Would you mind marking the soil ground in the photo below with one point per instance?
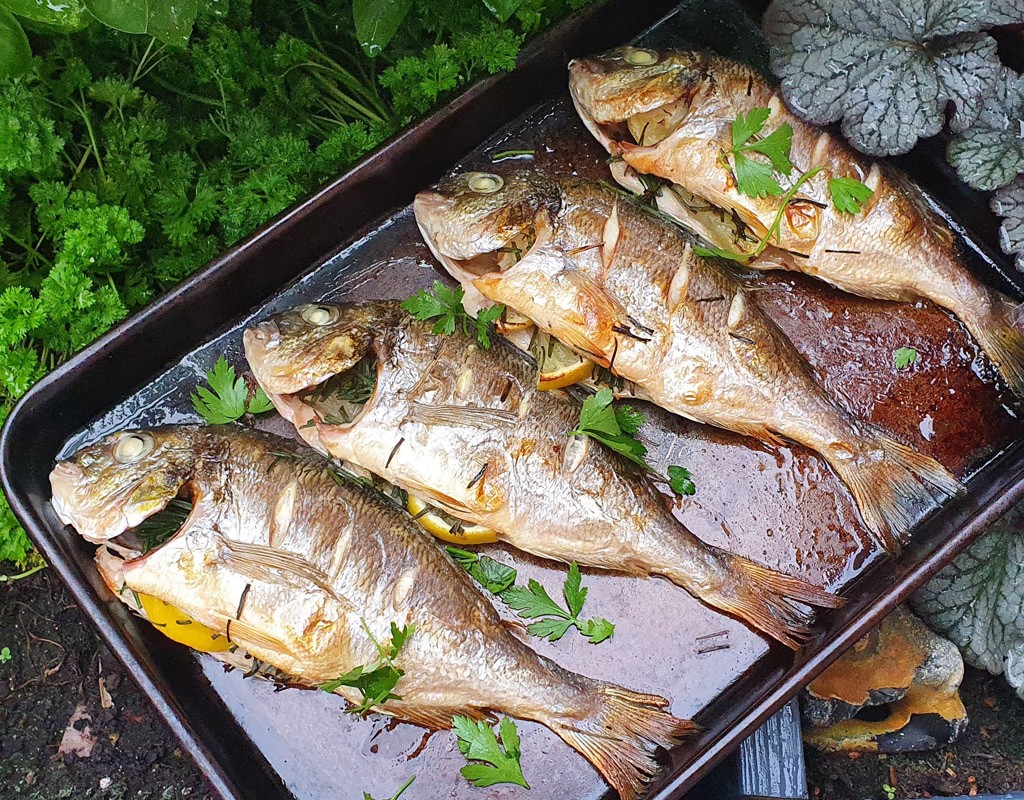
(56, 663)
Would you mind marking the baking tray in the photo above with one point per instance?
(355, 239)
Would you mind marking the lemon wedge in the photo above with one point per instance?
(177, 625)
(559, 366)
(446, 528)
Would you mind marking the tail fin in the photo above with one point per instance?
(620, 735)
(1002, 342)
(772, 602)
(891, 492)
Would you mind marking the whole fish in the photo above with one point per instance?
(468, 429)
(624, 288)
(670, 114)
(308, 572)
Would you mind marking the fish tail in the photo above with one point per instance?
(774, 603)
(1002, 341)
(893, 486)
(620, 733)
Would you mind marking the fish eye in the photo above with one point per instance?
(641, 58)
(320, 315)
(132, 447)
(485, 182)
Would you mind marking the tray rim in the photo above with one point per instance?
(966, 520)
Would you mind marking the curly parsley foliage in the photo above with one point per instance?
(886, 70)
(128, 161)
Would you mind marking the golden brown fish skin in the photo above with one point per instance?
(896, 248)
(291, 563)
(620, 285)
(467, 429)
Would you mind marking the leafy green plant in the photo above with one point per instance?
(396, 795)
(903, 357)
(376, 681)
(1008, 203)
(5, 654)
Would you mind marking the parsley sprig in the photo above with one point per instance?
(227, 397)
(533, 602)
(904, 357)
(477, 742)
(444, 304)
(756, 176)
(494, 576)
(616, 427)
(376, 681)
(755, 161)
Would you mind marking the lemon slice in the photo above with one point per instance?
(559, 366)
(177, 625)
(446, 528)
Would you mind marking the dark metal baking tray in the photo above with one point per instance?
(355, 239)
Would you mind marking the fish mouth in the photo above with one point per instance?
(467, 263)
(74, 500)
(622, 126)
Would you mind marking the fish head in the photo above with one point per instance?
(635, 96)
(307, 346)
(107, 488)
(481, 222)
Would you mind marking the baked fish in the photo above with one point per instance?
(625, 289)
(670, 114)
(304, 570)
(467, 429)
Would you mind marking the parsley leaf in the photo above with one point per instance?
(227, 399)
(444, 304)
(376, 681)
(494, 576)
(477, 742)
(533, 602)
(904, 357)
(680, 480)
(848, 193)
(396, 795)
(614, 428)
(755, 177)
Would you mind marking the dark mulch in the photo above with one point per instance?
(56, 665)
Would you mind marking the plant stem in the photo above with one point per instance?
(25, 574)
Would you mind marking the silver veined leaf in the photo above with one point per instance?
(886, 68)
(377, 21)
(1008, 203)
(977, 600)
(15, 53)
(1004, 12)
(130, 16)
(66, 14)
(990, 153)
(171, 21)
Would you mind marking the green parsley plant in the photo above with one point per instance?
(444, 304)
(903, 357)
(375, 681)
(227, 398)
(534, 602)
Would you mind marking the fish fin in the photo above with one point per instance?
(893, 491)
(1002, 342)
(770, 601)
(474, 416)
(598, 300)
(433, 717)
(759, 431)
(620, 734)
(250, 637)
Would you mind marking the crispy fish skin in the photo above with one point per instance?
(468, 429)
(291, 563)
(671, 116)
(624, 288)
